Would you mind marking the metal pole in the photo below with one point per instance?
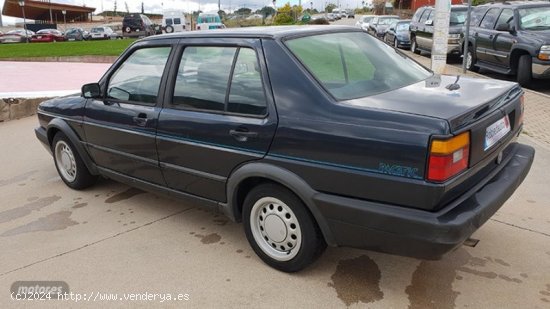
(25, 24)
(466, 37)
(50, 5)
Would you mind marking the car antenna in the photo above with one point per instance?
(455, 85)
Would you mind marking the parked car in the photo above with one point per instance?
(339, 13)
(173, 21)
(75, 34)
(209, 21)
(422, 29)
(16, 36)
(47, 35)
(104, 33)
(398, 34)
(275, 130)
(511, 38)
(331, 17)
(350, 13)
(379, 24)
(364, 21)
(137, 25)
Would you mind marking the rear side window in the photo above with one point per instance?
(168, 21)
(477, 15)
(490, 18)
(138, 78)
(426, 15)
(220, 79)
(354, 64)
(177, 21)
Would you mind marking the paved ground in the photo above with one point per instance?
(113, 239)
(47, 77)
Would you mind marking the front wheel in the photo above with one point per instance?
(69, 165)
(525, 73)
(395, 43)
(280, 228)
(414, 48)
(471, 60)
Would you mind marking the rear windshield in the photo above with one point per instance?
(97, 30)
(354, 64)
(403, 27)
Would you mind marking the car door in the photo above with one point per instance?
(424, 34)
(218, 114)
(503, 40)
(120, 128)
(484, 36)
(390, 33)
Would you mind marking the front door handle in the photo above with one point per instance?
(242, 134)
(141, 119)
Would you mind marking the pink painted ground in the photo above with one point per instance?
(48, 76)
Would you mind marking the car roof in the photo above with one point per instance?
(274, 32)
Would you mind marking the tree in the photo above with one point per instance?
(330, 7)
(378, 6)
(266, 11)
(243, 11)
(142, 8)
(126, 5)
(222, 14)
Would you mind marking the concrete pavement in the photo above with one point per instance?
(46, 79)
(111, 239)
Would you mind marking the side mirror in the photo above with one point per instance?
(503, 27)
(429, 22)
(91, 91)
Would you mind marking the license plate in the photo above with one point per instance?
(496, 132)
(39, 37)
(71, 39)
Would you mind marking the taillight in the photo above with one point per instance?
(448, 157)
(521, 109)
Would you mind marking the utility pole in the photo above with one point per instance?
(441, 35)
(1, 24)
(50, 5)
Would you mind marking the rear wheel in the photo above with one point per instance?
(414, 48)
(525, 74)
(169, 29)
(395, 43)
(280, 228)
(69, 165)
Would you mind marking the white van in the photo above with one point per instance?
(209, 21)
(173, 21)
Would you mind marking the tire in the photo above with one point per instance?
(69, 165)
(385, 39)
(169, 29)
(414, 48)
(524, 74)
(471, 60)
(395, 43)
(280, 228)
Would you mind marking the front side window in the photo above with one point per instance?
(490, 18)
(506, 17)
(354, 64)
(205, 81)
(138, 78)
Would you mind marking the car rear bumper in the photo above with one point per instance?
(418, 233)
(540, 68)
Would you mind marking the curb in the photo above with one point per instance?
(12, 108)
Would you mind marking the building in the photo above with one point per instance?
(46, 11)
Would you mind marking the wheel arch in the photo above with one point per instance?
(60, 125)
(250, 175)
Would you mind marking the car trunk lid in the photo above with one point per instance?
(482, 107)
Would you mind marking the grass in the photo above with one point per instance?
(65, 49)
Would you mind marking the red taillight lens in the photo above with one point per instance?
(448, 157)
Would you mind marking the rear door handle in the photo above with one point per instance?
(141, 119)
(242, 135)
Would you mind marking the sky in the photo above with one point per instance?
(157, 6)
